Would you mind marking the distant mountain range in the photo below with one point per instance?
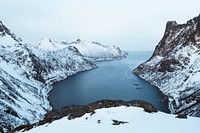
(91, 50)
(175, 67)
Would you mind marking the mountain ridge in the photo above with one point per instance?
(93, 51)
(26, 77)
(174, 66)
(27, 73)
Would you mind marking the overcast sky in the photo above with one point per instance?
(134, 25)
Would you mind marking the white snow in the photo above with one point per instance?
(138, 122)
(47, 44)
(92, 50)
(9, 68)
(20, 89)
(195, 77)
(7, 41)
(97, 51)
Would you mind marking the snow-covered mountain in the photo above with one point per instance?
(26, 76)
(121, 119)
(175, 67)
(91, 50)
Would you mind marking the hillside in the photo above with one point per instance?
(175, 67)
(121, 119)
(26, 76)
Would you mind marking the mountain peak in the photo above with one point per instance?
(47, 44)
(78, 41)
(46, 39)
(8, 38)
(171, 24)
(197, 19)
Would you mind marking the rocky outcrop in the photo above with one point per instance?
(175, 67)
(75, 111)
(4, 31)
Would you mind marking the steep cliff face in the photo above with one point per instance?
(175, 67)
(26, 75)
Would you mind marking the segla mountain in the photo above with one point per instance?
(26, 76)
(175, 67)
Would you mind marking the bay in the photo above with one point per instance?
(111, 80)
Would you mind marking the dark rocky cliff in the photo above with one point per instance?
(175, 66)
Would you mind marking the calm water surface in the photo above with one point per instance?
(112, 80)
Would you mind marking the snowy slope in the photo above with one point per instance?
(97, 51)
(137, 120)
(94, 51)
(47, 44)
(7, 37)
(175, 67)
(26, 76)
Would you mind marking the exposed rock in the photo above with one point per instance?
(181, 116)
(75, 111)
(117, 122)
(1, 130)
(99, 121)
(11, 112)
(175, 67)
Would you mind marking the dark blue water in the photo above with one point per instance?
(112, 80)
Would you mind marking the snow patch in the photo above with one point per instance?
(137, 120)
